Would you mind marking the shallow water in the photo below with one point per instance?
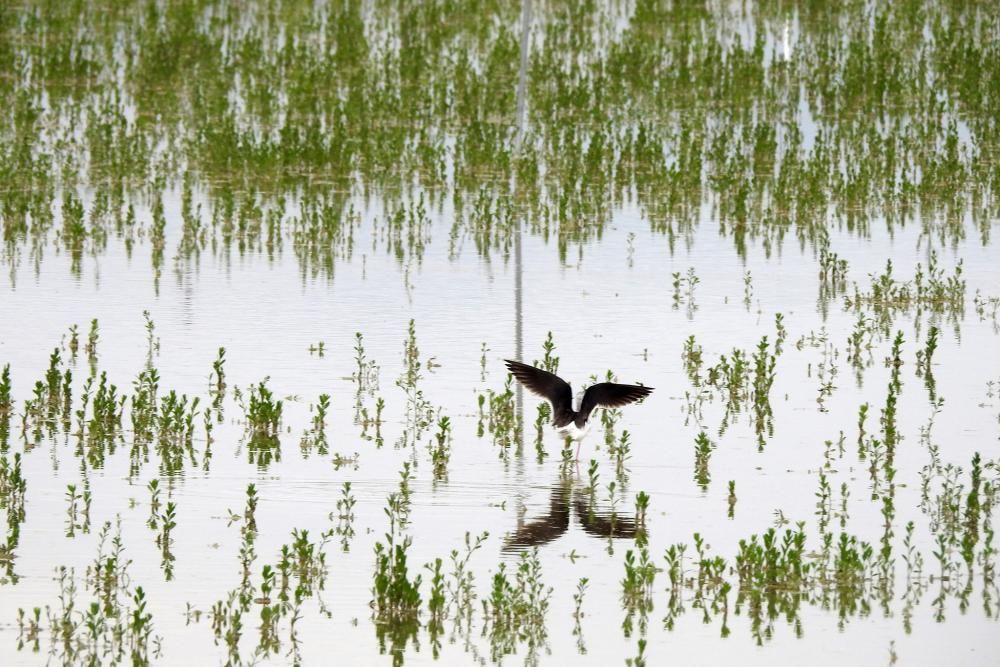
(601, 282)
(602, 313)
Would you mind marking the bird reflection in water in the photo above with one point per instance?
(565, 499)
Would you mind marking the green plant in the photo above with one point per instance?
(703, 448)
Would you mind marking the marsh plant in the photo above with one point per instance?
(371, 425)
(542, 421)
(934, 291)
(763, 379)
(174, 431)
(549, 361)
(78, 508)
(592, 478)
(164, 540)
(365, 373)
(345, 516)
(441, 448)
(298, 575)
(107, 622)
(515, 610)
(703, 448)
(217, 380)
(683, 291)
(747, 290)
(498, 416)
(621, 450)
(741, 378)
(641, 515)
(637, 589)
(436, 604)
(6, 407)
(925, 359)
(832, 274)
(396, 595)
(154, 504)
(13, 492)
(419, 411)
(751, 126)
(781, 333)
(315, 436)
(691, 356)
(263, 420)
(152, 341)
(91, 348)
(581, 590)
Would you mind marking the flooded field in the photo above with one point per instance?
(262, 263)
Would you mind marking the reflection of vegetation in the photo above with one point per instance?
(417, 103)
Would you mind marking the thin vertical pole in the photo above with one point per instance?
(518, 267)
(523, 71)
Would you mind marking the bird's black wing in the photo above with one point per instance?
(547, 385)
(611, 395)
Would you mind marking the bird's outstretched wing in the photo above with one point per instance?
(549, 386)
(611, 395)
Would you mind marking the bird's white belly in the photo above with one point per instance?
(573, 432)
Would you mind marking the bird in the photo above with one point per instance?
(571, 417)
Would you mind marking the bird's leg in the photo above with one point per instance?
(578, 443)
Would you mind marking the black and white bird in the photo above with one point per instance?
(571, 415)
